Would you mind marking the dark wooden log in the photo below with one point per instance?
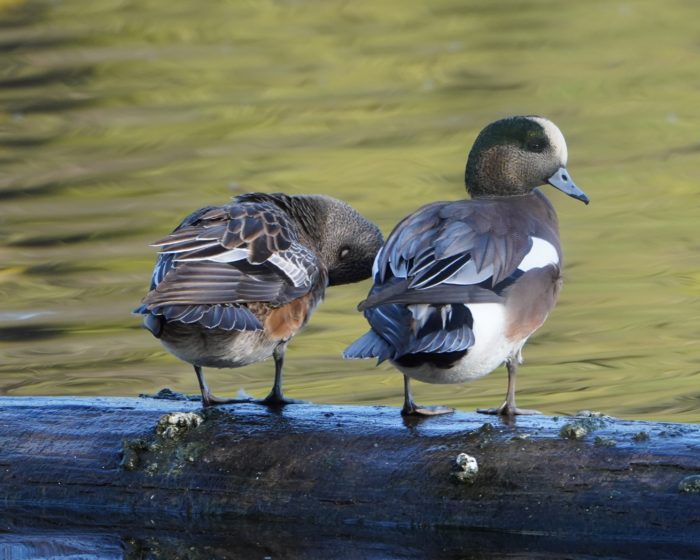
(313, 473)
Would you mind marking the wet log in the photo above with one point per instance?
(134, 463)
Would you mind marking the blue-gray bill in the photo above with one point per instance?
(562, 180)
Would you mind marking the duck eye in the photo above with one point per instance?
(536, 145)
(344, 252)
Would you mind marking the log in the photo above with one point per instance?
(305, 477)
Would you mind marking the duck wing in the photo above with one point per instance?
(240, 253)
(451, 252)
(436, 263)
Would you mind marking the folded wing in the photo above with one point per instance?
(436, 263)
(222, 257)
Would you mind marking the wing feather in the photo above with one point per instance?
(439, 260)
(221, 257)
(460, 243)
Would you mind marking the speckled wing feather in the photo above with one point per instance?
(240, 253)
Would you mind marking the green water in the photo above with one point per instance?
(118, 118)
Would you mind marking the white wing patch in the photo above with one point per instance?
(541, 254)
(468, 275)
(423, 311)
(399, 271)
(294, 271)
(227, 256)
(297, 274)
(375, 266)
(176, 250)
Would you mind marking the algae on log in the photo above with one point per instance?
(127, 461)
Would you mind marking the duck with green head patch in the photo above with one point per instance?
(459, 287)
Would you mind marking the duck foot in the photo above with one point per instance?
(213, 400)
(274, 399)
(506, 410)
(208, 398)
(509, 408)
(410, 408)
(418, 410)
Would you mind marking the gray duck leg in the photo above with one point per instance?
(410, 408)
(276, 396)
(508, 408)
(208, 399)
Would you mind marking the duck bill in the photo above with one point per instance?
(562, 180)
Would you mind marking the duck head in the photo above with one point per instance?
(513, 156)
(346, 241)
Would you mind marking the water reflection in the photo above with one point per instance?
(117, 119)
(237, 539)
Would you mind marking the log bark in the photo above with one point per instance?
(321, 471)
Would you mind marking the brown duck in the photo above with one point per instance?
(233, 284)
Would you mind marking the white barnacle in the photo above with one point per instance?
(690, 484)
(466, 470)
(175, 424)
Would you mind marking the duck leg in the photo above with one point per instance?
(276, 396)
(508, 408)
(208, 399)
(410, 408)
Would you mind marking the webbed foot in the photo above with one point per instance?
(213, 400)
(278, 399)
(418, 410)
(507, 410)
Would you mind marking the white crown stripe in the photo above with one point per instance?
(556, 138)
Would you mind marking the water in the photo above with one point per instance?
(238, 540)
(118, 118)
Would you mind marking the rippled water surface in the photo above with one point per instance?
(118, 118)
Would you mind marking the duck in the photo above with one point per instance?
(459, 287)
(233, 284)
